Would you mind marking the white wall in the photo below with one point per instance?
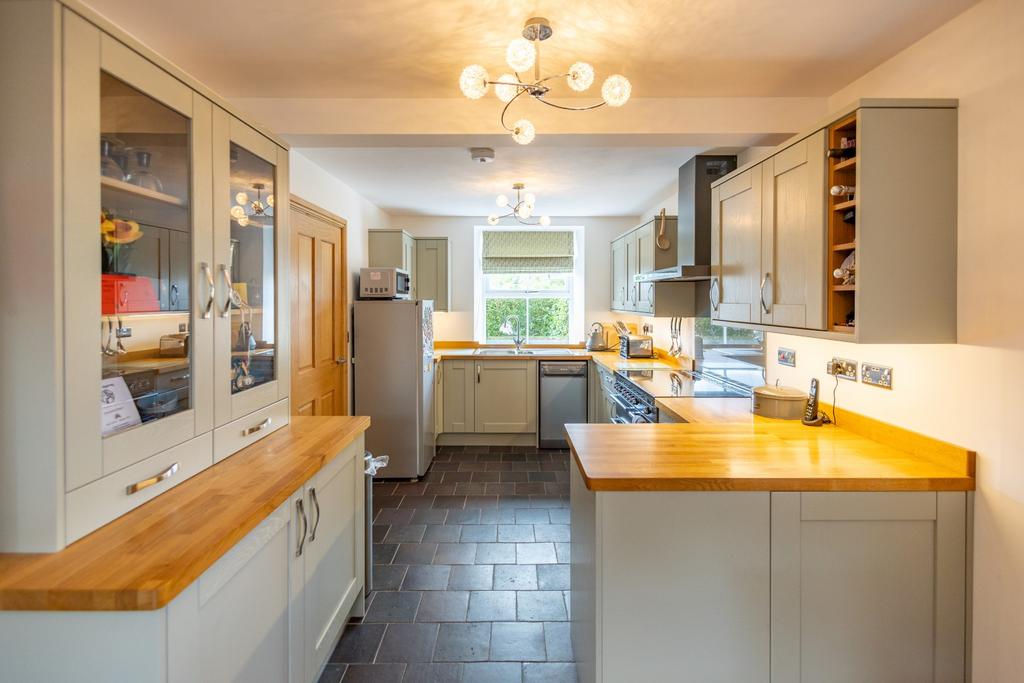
(457, 324)
(969, 393)
(314, 184)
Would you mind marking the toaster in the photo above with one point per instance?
(174, 345)
(636, 346)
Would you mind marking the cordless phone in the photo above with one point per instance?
(811, 416)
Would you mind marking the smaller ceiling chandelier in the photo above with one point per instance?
(245, 212)
(524, 53)
(521, 209)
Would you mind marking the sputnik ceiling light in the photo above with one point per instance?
(245, 212)
(521, 210)
(524, 53)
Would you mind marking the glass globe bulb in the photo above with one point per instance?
(524, 211)
(473, 81)
(492, 219)
(523, 132)
(502, 200)
(616, 90)
(242, 198)
(580, 77)
(243, 221)
(237, 212)
(530, 198)
(505, 93)
(520, 54)
(545, 221)
(270, 200)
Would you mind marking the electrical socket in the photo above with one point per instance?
(842, 368)
(877, 375)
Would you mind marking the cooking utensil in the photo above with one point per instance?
(120, 346)
(663, 242)
(597, 340)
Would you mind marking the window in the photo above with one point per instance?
(532, 275)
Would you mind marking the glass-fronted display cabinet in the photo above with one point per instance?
(145, 257)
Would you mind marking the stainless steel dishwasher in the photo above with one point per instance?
(563, 399)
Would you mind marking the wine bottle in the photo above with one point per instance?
(838, 190)
(841, 152)
(850, 216)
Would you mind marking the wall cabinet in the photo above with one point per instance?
(490, 396)
(185, 276)
(433, 277)
(781, 237)
(638, 252)
(394, 249)
(271, 609)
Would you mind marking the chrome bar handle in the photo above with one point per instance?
(225, 273)
(257, 428)
(764, 281)
(211, 290)
(146, 483)
(316, 506)
(300, 509)
(478, 373)
(715, 294)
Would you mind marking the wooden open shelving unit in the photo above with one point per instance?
(842, 236)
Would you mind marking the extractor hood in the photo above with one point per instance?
(693, 227)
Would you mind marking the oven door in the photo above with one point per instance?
(623, 413)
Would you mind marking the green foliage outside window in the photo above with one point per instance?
(541, 319)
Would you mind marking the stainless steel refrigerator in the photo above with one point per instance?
(393, 366)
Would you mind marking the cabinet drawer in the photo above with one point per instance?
(234, 436)
(106, 499)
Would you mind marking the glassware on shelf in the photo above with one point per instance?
(109, 166)
(142, 176)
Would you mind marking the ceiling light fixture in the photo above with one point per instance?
(521, 210)
(524, 53)
(245, 211)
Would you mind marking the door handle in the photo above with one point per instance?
(478, 373)
(156, 479)
(300, 510)
(174, 296)
(715, 295)
(316, 507)
(211, 290)
(340, 360)
(225, 273)
(764, 281)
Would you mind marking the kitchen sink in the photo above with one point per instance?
(525, 352)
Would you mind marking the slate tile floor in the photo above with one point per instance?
(471, 574)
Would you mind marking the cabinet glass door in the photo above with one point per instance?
(145, 242)
(250, 271)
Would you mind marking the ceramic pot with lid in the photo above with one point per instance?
(785, 403)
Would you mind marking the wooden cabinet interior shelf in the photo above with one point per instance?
(842, 232)
(141, 192)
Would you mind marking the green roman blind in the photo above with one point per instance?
(515, 251)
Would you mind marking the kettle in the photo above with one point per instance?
(597, 339)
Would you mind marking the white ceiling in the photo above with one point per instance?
(578, 181)
(414, 48)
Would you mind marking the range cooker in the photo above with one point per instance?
(635, 391)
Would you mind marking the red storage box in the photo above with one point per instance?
(128, 294)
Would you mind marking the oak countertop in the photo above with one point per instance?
(608, 359)
(145, 558)
(766, 455)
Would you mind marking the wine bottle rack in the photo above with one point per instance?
(842, 232)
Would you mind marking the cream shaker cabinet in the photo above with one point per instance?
(638, 252)
(620, 282)
(736, 247)
(394, 249)
(490, 396)
(165, 322)
(433, 279)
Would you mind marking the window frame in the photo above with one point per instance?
(574, 293)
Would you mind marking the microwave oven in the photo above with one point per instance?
(383, 283)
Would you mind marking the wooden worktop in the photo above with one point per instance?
(142, 560)
(767, 455)
(609, 359)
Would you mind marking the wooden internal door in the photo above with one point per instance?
(319, 318)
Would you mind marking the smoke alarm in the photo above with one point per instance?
(481, 155)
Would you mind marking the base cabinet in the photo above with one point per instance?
(759, 586)
(269, 610)
(489, 396)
